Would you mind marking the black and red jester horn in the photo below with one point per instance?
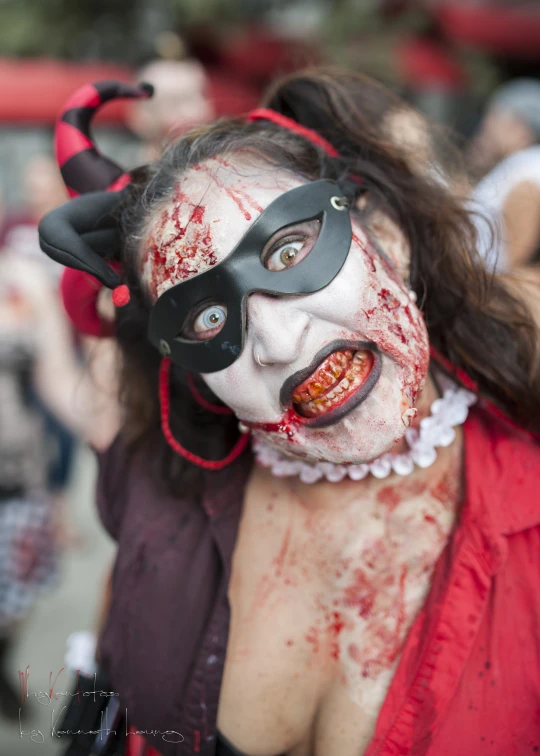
(83, 168)
(83, 233)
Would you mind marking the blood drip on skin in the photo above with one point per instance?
(397, 330)
(198, 215)
(388, 300)
(335, 627)
(288, 425)
(445, 490)
(255, 205)
(372, 254)
(236, 195)
(312, 637)
(367, 254)
(433, 521)
(389, 655)
(279, 561)
(390, 497)
(392, 641)
(360, 594)
(244, 195)
(389, 335)
(415, 487)
(199, 246)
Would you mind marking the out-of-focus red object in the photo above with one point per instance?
(136, 745)
(256, 55)
(230, 96)
(512, 29)
(34, 91)
(426, 63)
(79, 292)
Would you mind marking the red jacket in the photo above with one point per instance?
(468, 682)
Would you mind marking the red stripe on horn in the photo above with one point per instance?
(79, 111)
(69, 141)
(85, 97)
(120, 183)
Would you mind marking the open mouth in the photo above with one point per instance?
(333, 382)
(340, 378)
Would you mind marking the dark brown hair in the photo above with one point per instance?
(472, 317)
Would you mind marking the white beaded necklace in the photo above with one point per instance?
(435, 430)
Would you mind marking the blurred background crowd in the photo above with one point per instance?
(471, 66)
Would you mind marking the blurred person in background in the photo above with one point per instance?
(181, 102)
(36, 360)
(351, 581)
(505, 155)
(43, 191)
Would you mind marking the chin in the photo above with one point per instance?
(366, 433)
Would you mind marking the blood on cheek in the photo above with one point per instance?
(396, 327)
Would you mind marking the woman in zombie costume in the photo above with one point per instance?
(325, 488)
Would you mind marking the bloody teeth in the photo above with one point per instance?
(332, 384)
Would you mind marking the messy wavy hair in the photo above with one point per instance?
(472, 318)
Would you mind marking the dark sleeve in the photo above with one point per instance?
(113, 472)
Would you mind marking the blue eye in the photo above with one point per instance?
(209, 321)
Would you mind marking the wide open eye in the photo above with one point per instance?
(207, 323)
(290, 246)
(286, 256)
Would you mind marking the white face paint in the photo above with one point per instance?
(213, 207)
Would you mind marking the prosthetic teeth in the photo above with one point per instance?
(330, 384)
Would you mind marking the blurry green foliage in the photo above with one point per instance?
(66, 28)
(112, 29)
(353, 33)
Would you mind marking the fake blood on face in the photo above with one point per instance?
(177, 251)
(288, 425)
(235, 194)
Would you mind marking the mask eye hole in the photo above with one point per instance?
(290, 245)
(205, 323)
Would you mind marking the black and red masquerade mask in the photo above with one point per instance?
(243, 272)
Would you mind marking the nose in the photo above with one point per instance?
(276, 329)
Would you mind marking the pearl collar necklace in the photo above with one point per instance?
(435, 430)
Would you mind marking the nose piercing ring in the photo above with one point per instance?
(262, 364)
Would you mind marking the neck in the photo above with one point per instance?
(442, 480)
